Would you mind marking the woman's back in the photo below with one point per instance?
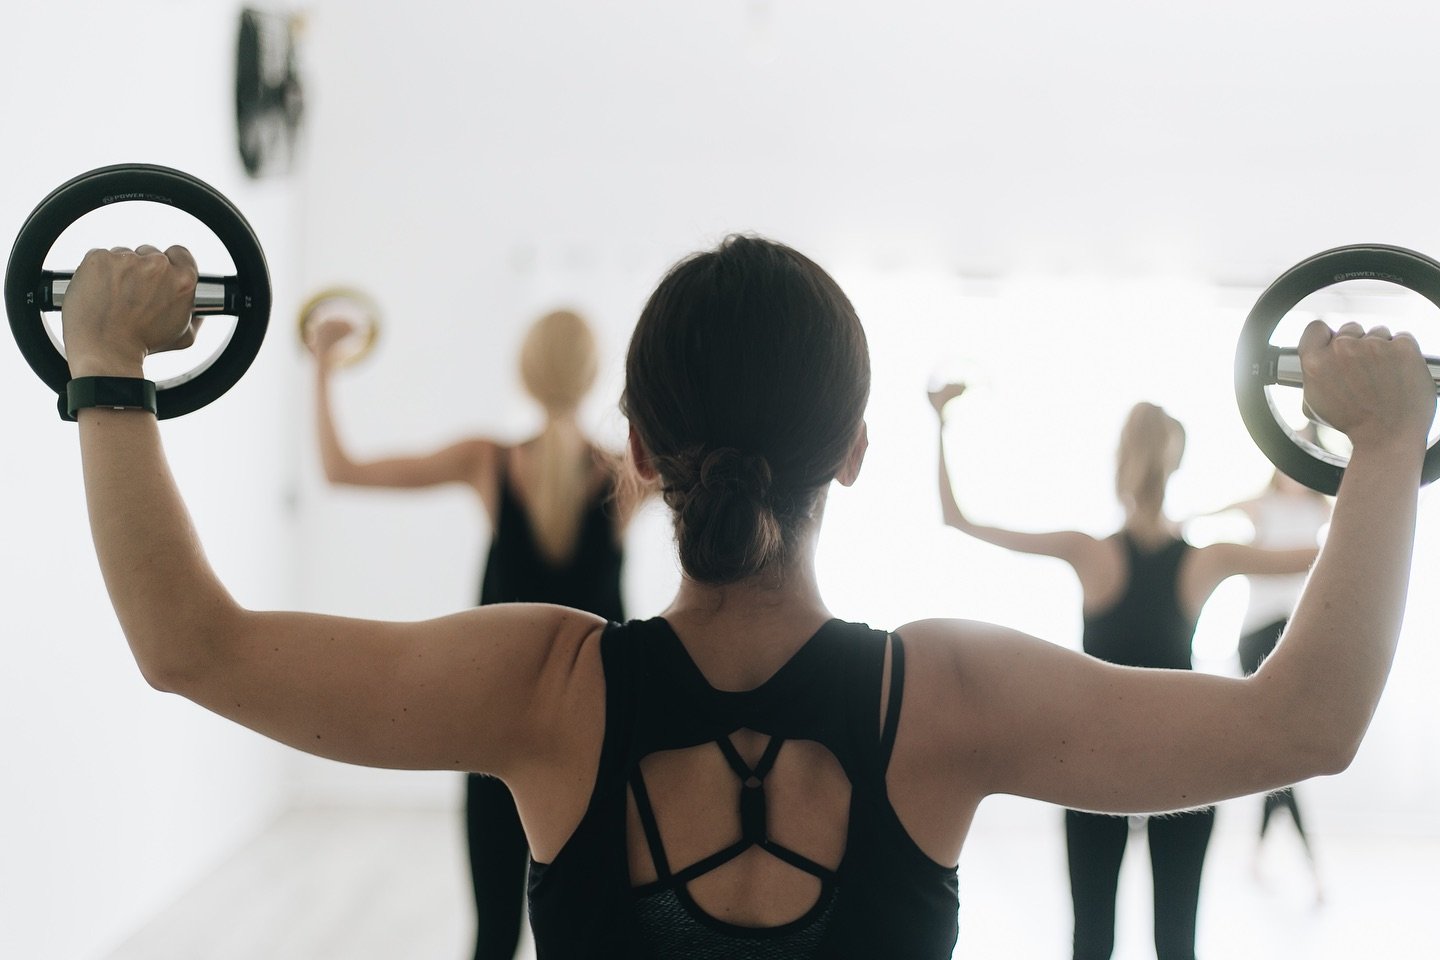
(522, 563)
(1146, 625)
(750, 822)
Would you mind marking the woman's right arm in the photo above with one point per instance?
(468, 461)
(1067, 545)
(493, 689)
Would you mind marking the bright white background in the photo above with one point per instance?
(1075, 203)
(113, 798)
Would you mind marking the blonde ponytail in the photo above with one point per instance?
(1151, 445)
(558, 365)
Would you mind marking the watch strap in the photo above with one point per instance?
(118, 393)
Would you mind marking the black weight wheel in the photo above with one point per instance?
(29, 289)
(1259, 364)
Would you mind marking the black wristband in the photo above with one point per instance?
(118, 393)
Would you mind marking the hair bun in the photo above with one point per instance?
(748, 347)
(726, 526)
(727, 470)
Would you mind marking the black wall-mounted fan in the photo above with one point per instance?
(269, 101)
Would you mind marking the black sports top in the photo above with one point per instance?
(517, 572)
(884, 898)
(1145, 627)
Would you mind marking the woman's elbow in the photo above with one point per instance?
(181, 659)
(162, 677)
(1336, 756)
(1312, 751)
(341, 473)
(1300, 742)
(165, 672)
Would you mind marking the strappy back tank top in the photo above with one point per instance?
(877, 893)
(516, 571)
(1145, 627)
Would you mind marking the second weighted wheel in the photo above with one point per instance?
(1261, 365)
(352, 308)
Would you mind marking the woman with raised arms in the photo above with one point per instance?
(746, 773)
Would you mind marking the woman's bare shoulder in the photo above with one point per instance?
(953, 638)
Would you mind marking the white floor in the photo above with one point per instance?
(390, 885)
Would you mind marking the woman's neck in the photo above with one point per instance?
(1149, 526)
(562, 424)
(740, 633)
(779, 594)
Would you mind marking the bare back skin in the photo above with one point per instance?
(693, 791)
(555, 516)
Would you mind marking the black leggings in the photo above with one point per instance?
(1283, 798)
(1255, 646)
(499, 857)
(1096, 845)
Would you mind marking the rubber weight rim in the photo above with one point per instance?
(1365, 261)
(250, 304)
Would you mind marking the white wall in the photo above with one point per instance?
(1081, 200)
(113, 797)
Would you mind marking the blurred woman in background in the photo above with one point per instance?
(557, 517)
(1142, 590)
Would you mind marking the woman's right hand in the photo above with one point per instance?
(1374, 387)
(943, 395)
(325, 335)
(123, 305)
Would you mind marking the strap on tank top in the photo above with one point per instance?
(648, 824)
(1133, 554)
(754, 831)
(502, 470)
(892, 702)
(1134, 549)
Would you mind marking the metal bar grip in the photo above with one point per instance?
(1282, 367)
(213, 295)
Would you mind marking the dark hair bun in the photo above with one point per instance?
(726, 525)
(745, 384)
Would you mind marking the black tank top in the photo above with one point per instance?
(1145, 627)
(884, 898)
(517, 572)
